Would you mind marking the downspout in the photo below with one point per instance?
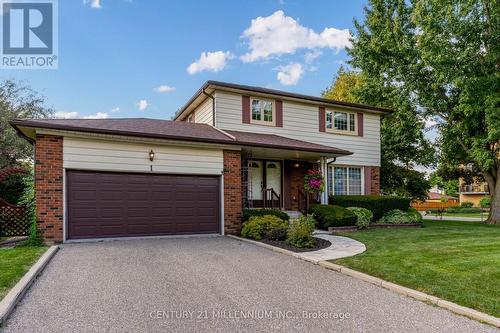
(213, 105)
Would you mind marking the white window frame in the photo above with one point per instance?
(332, 180)
(262, 121)
(339, 131)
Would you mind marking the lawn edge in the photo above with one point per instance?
(9, 302)
(415, 294)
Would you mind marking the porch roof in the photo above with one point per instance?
(281, 142)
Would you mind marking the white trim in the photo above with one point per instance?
(348, 166)
(222, 220)
(65, 219)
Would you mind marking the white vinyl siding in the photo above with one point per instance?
(204, 112)
(301, 122)
(103, 155)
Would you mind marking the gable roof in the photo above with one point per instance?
(173, 130)
(320, 101)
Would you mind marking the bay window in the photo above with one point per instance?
(344, 180)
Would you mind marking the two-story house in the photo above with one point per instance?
(230, 147)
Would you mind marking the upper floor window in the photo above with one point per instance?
(338, 121)
(262, 112)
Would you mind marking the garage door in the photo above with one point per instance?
(103, 205)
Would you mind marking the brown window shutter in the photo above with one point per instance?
(322, 119)
(245, 107)
(368, 180)
(360, 124)
(279, 113)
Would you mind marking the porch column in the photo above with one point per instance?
(324, 171)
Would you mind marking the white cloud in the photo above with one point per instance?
(164, 89)
(98, 115)
(311, 56)
(142, 105)
(290, 74)
(279, 34)
(66, 115)
(210, 61)
(76, 115)
(115, 110)
(93, 3)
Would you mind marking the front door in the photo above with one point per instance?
(264, 175)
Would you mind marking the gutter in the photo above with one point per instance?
(213, 104)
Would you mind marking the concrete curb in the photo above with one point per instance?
(418, 295)
(10, 300)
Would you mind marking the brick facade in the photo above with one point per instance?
(375, 180)
(49, 187)
(232, 192)
(294, 173)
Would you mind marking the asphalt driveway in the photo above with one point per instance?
(211, 284)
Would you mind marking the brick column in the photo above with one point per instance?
(49, 187)
(375, 180)
(232, 192)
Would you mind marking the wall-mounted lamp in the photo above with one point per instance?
(151, 155)
(296, 165)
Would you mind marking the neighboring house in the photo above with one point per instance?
(472, 192)
(440, 197)
(231, 146)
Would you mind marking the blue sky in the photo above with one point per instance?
(138, 58)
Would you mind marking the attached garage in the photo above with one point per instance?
(113, 204)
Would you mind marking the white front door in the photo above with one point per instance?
(273, 176)
(256, 180)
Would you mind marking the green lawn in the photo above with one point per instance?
(14, 263)
(456, 261)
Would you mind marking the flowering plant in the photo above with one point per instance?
(313, 181)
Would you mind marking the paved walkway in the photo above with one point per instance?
(214, 284)
(341, 247)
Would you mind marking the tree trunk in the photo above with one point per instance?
(493, 181)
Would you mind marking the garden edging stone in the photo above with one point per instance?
(415, 294)
(9, 302)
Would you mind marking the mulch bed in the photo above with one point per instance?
(320, 244)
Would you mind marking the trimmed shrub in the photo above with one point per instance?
(466, 204)
(300, 232)
(364, 216)
(258, 227)
(415, 213)
(397, 216)
(485, 202)
(248, 213)
(378, 205)
(458, 210)
(333, 216)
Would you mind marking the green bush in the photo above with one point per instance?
(12, 188)
(248, 213)
(397, 216)
(300, 232)
(378, 205)
(365, 217)
(415, 213)
(333, 216)
(459, 210)
(466, 204)
(485, 202)
(258, 227)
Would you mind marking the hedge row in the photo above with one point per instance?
(378, 205)
(332, 216)
(248, 213)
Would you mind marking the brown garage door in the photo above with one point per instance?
(103, 204)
